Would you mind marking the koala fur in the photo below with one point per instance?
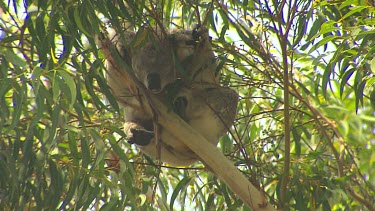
(160, 60)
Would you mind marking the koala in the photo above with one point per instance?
(179, 68)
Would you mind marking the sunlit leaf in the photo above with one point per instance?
(354, 10)
(69, 81)
(344, 80)
(322, 42)
(78, 20)
(179, 188)
(372, 65)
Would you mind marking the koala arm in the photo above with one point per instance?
(210, 110)
(138, 129)
(116, 66)
(204, 66)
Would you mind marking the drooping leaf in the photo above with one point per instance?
(179, 188)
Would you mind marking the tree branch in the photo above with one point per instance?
(283, 40)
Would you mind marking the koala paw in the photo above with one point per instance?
(199, 32)
(140, 137)
(196, 32)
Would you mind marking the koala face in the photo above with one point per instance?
(153, 65)
(160, 59)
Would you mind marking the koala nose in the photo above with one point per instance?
(153, 82)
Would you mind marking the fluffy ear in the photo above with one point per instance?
(124, 41)
(121, 40)
(104, 43)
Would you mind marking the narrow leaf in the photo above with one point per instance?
(69, 81)
(180, 186)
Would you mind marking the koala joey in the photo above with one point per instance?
(159, 60)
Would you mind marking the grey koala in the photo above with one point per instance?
(178, 67)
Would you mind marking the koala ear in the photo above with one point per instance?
(126, 55)
(124, 46)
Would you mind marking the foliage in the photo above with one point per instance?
(305, 127)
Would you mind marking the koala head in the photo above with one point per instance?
(159, 58)
(153, 64)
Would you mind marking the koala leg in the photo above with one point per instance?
(212, 111)
(223, 101)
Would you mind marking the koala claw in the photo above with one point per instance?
(140, 137)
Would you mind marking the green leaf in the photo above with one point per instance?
(322, 42)
(18, 97)
(82, 192)
(345, 78)
(13, 58)
(78, 21)
(37, 73)
(372, 65)
(301, 30)
(314, 29)
(100, 149)
(119, 152)
(372, 99)
(210, 203)
(106, 90)
(56, 186)
(86, 156)
(346, 3)
(167, 11)
(69, 81)
(179, 188)
(328, 27)
(55, 86)
(40, 27)
(359, 93)
(297, 142)
(72, 141)
(326, 78)
(55, 118)
(89, 84)
(367, 118)
(354, 10)
(72, 187)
